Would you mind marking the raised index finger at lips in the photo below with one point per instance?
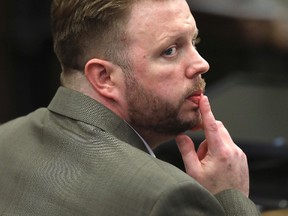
(209, 123)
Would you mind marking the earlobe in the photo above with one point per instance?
(98, 73)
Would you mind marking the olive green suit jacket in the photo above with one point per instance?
(76, 157)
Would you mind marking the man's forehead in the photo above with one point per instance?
(154, 24)
(149, 12)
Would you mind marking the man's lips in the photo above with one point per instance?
(195, 97)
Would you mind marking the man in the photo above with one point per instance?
(131, 81)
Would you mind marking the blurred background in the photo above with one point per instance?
(29, 70)
(246, 44)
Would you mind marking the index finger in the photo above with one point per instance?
(209, 122)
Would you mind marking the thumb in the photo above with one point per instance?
(188, 153)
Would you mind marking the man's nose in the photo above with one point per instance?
(197, 64)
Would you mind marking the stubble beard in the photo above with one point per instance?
(149, 112)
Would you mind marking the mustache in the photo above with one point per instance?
(199, 85)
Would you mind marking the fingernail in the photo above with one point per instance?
(205, 99)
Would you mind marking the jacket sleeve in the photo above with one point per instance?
(235, 203)
(186, 199)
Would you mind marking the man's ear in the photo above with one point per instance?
(100, 74)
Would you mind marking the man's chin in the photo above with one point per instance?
(196, 124)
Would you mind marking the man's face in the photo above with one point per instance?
(165, 81)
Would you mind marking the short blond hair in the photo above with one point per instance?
(84, 29)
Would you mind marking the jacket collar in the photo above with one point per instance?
(80, 107)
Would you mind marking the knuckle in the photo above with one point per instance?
(212, 126)
(225, 154)
(239, 151)
(234, 152)
(215, 126)
(219, 124)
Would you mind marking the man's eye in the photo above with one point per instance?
(170, 51)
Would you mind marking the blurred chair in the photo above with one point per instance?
(282, 212)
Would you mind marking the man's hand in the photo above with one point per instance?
(219, 164)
